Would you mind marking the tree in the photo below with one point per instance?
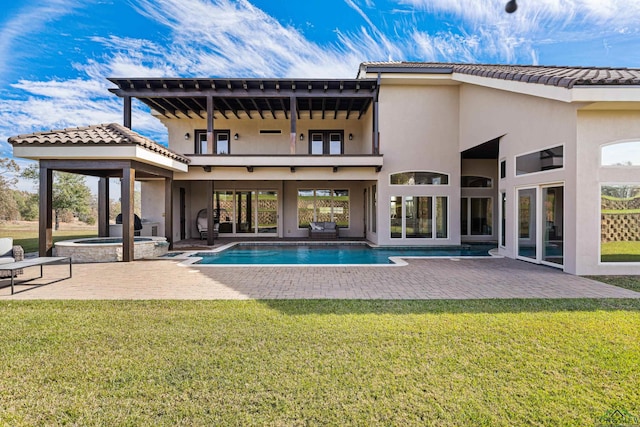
(27, 204)
(8, 205)
(71, 195)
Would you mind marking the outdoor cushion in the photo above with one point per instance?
(202, 224)
(329, 225)
(315, 226)
(7, 260)
(6, 246)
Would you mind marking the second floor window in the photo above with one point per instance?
(221, 142)
(326, 142)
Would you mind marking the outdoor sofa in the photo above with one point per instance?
(9, 254)
(323, 230)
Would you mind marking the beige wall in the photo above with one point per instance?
(596, 128)
(251, 141)
(526, 124)
(152, 203)
(419, 132)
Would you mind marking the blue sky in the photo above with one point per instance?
(55, 55)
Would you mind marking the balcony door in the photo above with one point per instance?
(326, 143)
(221, 142)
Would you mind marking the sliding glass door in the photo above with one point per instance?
(553, 215)
(541, 224)
(527, 236)
(247, 211)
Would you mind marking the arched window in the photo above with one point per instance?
(621, 154)
(419, 178)
(470, 181)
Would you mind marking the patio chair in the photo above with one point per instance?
(8, 254)
(203, 226)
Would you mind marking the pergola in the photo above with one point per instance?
(104, 151)
(253, 98)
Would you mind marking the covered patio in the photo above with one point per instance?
(104, 151)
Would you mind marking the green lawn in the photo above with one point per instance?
(620, 251)
(25, 233)
(627, 282)
(326, 362)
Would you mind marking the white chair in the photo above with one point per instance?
(202, 225)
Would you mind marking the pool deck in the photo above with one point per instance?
(420, 279)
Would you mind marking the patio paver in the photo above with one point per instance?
(421, 279)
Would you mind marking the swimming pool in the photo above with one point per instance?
(330, 254)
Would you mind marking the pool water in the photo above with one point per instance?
(246, 254)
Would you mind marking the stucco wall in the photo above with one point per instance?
(419, 132)
(152, 203)
(596, 128)
(525, 124)
(251, 141)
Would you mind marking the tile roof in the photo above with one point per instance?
(104, 134)
(567, 77)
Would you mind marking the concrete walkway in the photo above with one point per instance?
(421, 279)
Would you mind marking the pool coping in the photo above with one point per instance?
(187, 259)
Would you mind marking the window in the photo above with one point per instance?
(441, 218)
(323, 205)
(469, 181)
(419, 178)
(503, 169)
(221, 142)
(418, 217)
(476, 216)
(621, 154)
(543, 160)
(374, 208)
(246, 211)
(620, 223)
(503, 220)
(395, 215)
(326, 142)
(201, 142)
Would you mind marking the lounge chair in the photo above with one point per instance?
(8, 254)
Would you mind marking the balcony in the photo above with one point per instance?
(250, 161)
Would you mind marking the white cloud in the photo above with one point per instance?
(238, 39)
(30, 20)
(516, 37)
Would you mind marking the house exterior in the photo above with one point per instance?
(545, 161)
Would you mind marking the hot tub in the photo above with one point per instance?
(109, 249)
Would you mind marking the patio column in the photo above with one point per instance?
(127, 191)
(103, 207)
(168, 211)
(45, 227)
(294, 131)
(376, 131)
(209, 125)
(127, 112)
(210, 214)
